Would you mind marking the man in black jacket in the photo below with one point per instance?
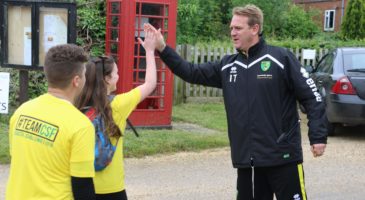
(261, 85)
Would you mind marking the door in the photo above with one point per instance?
(322, 75)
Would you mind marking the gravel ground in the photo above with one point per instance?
(208, 175)
(4, 171)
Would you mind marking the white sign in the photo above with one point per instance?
(27, 52)
(55, 31)
(4, 92)
(309, 54)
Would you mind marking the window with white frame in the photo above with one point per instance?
(329, 20)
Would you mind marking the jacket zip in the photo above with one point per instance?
(251, 157)
(248, 106)
(286, 135)
(253, 178)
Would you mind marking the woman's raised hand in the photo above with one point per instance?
(150, 40)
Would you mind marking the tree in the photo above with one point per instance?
(91, 25)
(298, 24)
(353, 26)
(202, 20)
(188, 22)
(212, 18)
(275, 12)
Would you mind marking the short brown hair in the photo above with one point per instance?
(62, 63)
(254, 14)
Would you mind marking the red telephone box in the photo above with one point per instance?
(125, 19)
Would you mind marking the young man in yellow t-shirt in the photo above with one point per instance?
(51, 141)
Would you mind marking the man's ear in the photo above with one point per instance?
(255, 29)
(76, 81)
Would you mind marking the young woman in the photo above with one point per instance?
(101, 79)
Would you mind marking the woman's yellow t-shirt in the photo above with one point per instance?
(111, 179)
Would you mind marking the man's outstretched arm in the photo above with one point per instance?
(207, 74)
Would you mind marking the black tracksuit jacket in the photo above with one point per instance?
(260, 92)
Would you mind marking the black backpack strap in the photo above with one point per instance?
(132, 127)
(111, 97)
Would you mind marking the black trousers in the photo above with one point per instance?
(122, 195)
(261, 183)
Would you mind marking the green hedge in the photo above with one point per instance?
(326, 41)
(323, 40)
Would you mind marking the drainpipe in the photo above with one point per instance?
(342, 9)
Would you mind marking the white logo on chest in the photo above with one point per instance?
(233, 74)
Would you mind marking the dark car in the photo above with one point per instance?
(340, 79)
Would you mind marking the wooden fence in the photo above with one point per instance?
(183, 90)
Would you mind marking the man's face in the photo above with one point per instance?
(243, 36)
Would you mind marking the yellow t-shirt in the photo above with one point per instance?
(50, 141)
(111, 179)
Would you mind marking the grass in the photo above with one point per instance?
(164, 141)
(153, 142)
(4, 143)
(209, 115)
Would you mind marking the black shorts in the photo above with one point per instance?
(285, 181)
(122, 195)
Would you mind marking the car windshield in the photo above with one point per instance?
(355, 61)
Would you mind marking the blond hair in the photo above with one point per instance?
(254, 14)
